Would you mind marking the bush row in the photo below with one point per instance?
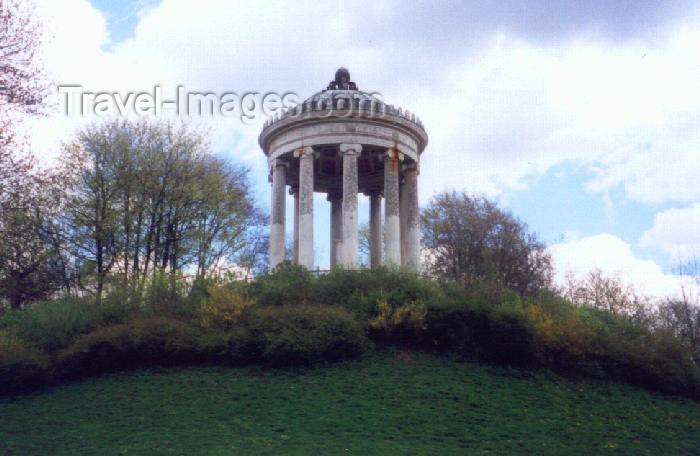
(291, 318)
(284, 336)
(572, 341)
(483, 321)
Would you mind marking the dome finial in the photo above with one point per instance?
(342, 81)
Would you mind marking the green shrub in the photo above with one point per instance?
(120, 296)
(510, 337)
(359, 291)
(478, 331)
(597, 343)
(234, 347)
(159, 294)
(562, 337)
(199, 290)
(302, 320)
(22, 367)
(139, 343)
(223, 307)
(287, 284)
(277, 336)
(403, 324)
(484, 292)
(459, 329)
(672, 368)
(633, 354)
(52, 325)
(301, 335)
(165, 294)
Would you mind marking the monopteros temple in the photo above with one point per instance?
(343, 141)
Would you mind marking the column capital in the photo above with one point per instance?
(275, 162)
(393, 153)
(304, 152)
(350, 149)
(412, 166)
(373, 191)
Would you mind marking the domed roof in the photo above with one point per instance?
(342, 96)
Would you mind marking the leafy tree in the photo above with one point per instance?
(467, 237)
(149, 198)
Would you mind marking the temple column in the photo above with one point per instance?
(402, 217)
(350, 153)
(306, 207)
(279, 172)
(375, 229)
(336, 228)
(411, 219)
(295, 249)
(391, 209)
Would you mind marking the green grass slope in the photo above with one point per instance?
(387, 404)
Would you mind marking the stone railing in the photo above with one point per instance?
(345, 107)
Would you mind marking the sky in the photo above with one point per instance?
(582, 118)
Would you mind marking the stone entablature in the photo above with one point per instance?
(292, 133)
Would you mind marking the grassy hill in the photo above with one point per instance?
(391, 403)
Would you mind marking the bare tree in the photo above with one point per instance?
(23, 86)
(32, 261)
(607, 292)
(681, 314)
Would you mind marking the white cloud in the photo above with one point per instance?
(497, 108)
(614, 257)
(628, 112)
(677, 231)
(72, 52)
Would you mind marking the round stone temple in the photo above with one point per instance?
(342, 141)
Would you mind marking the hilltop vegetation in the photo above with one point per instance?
(135, 204)
(291, 318)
